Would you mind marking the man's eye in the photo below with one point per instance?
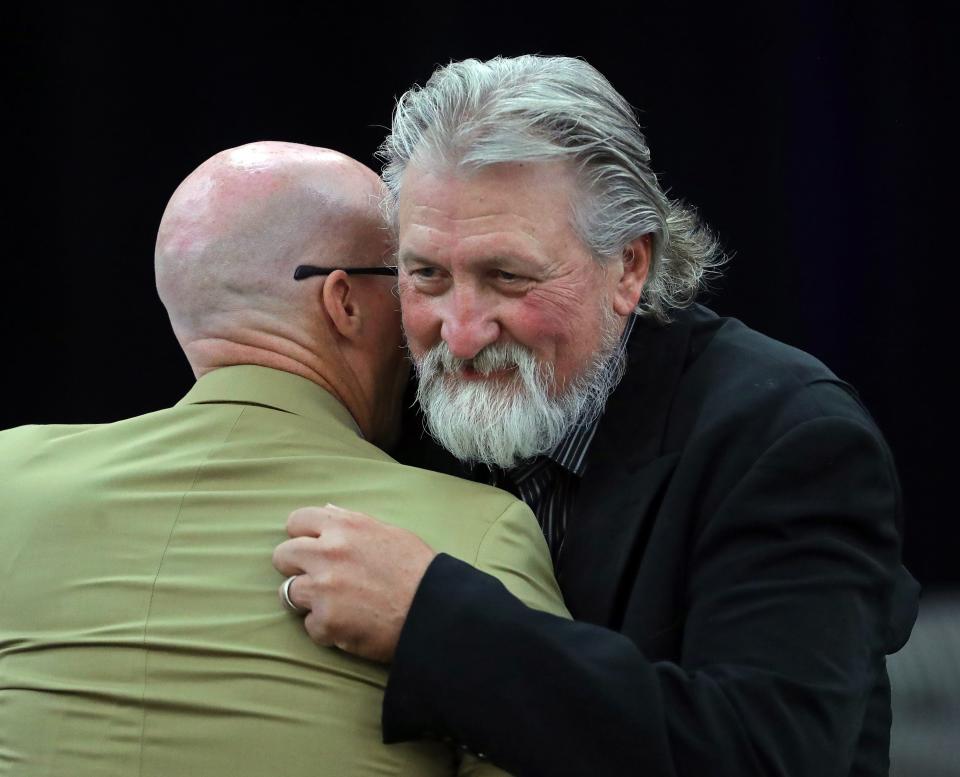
(424, 273)
(503, 275)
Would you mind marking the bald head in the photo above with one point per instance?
(237, 227)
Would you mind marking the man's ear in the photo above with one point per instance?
(634, 266)
(339, 299)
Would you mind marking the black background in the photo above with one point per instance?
(812, 137)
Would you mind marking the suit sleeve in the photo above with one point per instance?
(514, 551)
(788, 610)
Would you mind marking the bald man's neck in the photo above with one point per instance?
(212, 354)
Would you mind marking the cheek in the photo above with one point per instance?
(421, 326)
(546, 315)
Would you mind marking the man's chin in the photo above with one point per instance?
(497, 427)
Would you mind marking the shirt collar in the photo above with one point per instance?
(252, 385)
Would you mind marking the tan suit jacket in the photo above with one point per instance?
(140, 632)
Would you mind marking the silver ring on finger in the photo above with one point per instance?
(285, 596)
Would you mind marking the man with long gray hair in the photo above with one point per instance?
(723, 514)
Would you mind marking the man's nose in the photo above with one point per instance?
(467, 326)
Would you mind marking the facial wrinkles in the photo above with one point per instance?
(561, 313)
(458, 220)
(507, 227)
(554, 284)
(462, 208)
(561, 298)
(456, 246)
(469, 227)
(548, 316)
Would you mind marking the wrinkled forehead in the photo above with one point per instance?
(508, 204)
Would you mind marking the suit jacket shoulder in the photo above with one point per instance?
(734, 375)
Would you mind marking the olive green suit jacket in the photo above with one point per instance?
(140, 631)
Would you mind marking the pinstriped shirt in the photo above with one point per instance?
(549, 483)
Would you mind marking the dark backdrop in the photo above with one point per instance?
(811, 139)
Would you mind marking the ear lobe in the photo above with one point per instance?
(340, 302)
(635, 267)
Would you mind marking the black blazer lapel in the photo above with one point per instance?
(626, 476)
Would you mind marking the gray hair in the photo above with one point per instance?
(534, 108)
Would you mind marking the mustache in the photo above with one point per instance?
(495, 357)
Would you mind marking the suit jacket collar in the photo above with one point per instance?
(248, 384)
(627, 472)
(634, 422)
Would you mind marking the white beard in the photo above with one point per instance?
(502, 421)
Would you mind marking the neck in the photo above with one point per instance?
(331, 374)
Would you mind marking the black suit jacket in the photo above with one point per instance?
(733, 563)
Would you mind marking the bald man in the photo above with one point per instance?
(139, 633)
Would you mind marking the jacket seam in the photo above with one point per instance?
(486, 532)
(153, 587)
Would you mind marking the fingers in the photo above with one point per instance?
(319, 622)
(310, 521)
(294, 557)
(355, 575)
(300, 592)
(318, 630)
(307, 521)
(316, 625)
